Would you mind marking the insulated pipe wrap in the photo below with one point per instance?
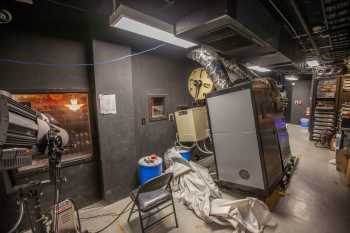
(238, 71)
(223, 72)
(210, 61)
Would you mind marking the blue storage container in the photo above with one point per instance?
(186, 154)
(304, 122)
(149, 167)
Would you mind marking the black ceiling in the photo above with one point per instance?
(85, 19)
(327, 20)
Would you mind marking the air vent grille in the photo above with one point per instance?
(225, 38)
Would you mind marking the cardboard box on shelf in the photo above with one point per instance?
(332, 145)
(342, 160)
(347, 176)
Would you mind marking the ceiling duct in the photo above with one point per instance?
(223, 72)
(210, 61)
(241, 29)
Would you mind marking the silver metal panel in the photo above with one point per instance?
(235, 139)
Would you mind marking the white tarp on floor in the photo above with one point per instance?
(195, 188)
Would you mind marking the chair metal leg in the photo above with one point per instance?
(172, 200)
(141, 222)
(131, 211)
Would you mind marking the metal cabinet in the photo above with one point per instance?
(242, 122)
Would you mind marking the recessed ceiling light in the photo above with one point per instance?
(129, 19)
(259, 69)
(312, 63)
(291, 78)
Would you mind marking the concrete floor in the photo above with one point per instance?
(317, 200)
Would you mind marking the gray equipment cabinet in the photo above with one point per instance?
(246, 146)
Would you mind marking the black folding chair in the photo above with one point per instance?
(153, 194)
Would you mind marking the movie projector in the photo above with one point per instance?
(192, 123)
(199, 84)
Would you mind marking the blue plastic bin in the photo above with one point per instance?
(149, 167)
(304, 122)
(186, 154)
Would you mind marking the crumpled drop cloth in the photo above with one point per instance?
(194, 187)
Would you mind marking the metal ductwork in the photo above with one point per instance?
(241, 29)
(210, 61)
(238, 72)
(222, 71)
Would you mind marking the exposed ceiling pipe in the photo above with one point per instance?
(324, 14)
(284, 18)
(305, 27)
(287, 22)
(62, 4)
(326, 22)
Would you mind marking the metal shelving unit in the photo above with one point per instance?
(324, 109)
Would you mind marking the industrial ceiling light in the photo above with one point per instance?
(259, 69)
(291, 78)
(312, 63)
(128, 19)
(73, 105)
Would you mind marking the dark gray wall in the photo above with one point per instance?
(158, 75)
(33, 47)
(121, 137)
(116, 132)
(301, 91)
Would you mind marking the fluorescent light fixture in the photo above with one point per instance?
(259, 69)
(291, 77)
(312, 63)
(137, 27)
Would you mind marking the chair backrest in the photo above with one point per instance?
(158, 182)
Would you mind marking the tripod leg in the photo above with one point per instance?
(28, 216)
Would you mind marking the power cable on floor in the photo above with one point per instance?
(115, 219)
(72, 65)
(98, 216)
(89, 208)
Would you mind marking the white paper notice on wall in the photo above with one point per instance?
(108, 104)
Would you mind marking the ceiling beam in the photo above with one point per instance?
(305, 27)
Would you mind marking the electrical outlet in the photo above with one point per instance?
(171, 117)
(143, 121)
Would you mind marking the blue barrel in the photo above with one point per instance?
(186, 154)
(149, 167)
(304, 122)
